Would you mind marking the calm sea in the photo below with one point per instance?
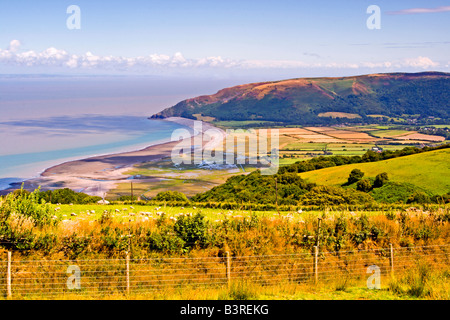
(47, 120)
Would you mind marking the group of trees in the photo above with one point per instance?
(366, 185)
(66, 196)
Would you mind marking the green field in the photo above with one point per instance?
(388, 133)
(430, 170)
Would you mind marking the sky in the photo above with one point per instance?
(258, 39)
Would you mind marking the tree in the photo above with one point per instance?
(364, 185)
(355, 176)
(380, 180)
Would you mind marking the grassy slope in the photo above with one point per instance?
(429, 170)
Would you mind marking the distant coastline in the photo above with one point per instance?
(98, 174)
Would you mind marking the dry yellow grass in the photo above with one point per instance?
(420, 136)
(339, 115)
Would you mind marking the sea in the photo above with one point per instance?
(46, 120)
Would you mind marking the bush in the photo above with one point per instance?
(28, 205)
(419, 197)
(328, 195)
(170, 196)
(380, 180)
(192, 230)
(355, 176)
(67, 196)
(364, 185)
(127, 198)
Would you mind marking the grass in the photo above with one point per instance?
(428, 170)
(403, 288)
(87, 237)
(65, 212)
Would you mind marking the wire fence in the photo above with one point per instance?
(102, 277)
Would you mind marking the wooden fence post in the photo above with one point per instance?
(316, 263)
(8, 277)
(128, 272)
(391, 258)
(319, 220)
(228, 268)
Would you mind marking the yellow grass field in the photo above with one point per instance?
(339, 115)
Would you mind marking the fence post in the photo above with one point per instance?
(8, 277)
(319, 220)
(391, 258)
(316, 262)
(228, 268)
(128, 272)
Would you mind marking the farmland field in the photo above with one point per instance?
(307, 142)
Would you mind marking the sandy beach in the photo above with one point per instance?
(97, 175)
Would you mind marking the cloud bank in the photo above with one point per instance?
(58, 58)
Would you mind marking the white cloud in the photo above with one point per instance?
(420, 62)
(53, 57)
(14, 46)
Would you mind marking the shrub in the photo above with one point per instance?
(380, 180)
(67, 196)
(170, 196)
(364, 185)
(192, 230)
(419, 197)
(355, 176)
(127, 198)
(328, 195)
(28, 205)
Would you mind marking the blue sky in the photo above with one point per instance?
(230, 38)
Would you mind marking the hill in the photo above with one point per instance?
(429, 171)
(324, 100)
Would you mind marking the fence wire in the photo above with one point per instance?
(103, 277)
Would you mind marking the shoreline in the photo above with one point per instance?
(96, 175)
